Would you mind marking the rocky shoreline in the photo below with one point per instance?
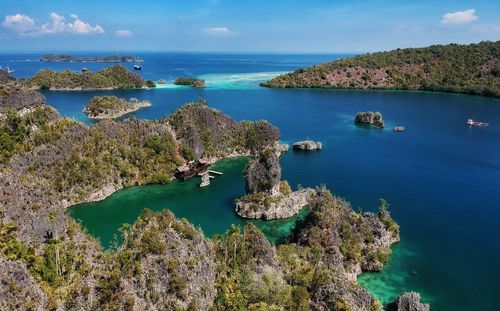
(103, 111)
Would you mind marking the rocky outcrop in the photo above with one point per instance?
(278, 206)
(18, 289)
(369, 118)
(263, 174)
(204, 131)
(408, 302)
(112, 107)
(349, 244)
(194, 82)
(14, 96)
(307, 145)
(172, 265)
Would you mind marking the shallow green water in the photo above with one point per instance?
(216, 215)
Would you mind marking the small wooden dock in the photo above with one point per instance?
(215, 172)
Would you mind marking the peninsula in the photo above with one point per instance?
(471, 69)
(99, 59)
(114, 77)
(111, 107)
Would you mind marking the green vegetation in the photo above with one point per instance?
(114, 77)
(470, 69)
(194, 82)
(104, 104)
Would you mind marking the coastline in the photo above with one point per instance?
(117, 114)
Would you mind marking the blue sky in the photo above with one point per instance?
(234, 25)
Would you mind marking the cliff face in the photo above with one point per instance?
(16, 97)
(471, 69)
(207, 132)
(263, 174)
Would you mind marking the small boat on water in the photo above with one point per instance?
(137, 67)
(471, 122)
(85, 69)
(398, 128)
(162, 81)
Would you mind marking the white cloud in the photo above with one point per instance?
(219, 31)
(19, 23)
(459, 17)
(25, 25)
(123, 33)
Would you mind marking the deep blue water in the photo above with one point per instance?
(441, 177)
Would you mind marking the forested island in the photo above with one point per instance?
(114, 77)
(194, 82)
(471, 69)
(99, 59)
(48, 262)
(111, 107)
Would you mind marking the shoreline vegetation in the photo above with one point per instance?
(112, 107)
(99, 59)
(194, 82)
(113, 77)
(469, 69)
(48, 261)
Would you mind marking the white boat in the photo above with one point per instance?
(471, 122)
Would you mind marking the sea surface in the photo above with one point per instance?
(441, 177)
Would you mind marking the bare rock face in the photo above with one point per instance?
(268, 207)
(263, 174)
(408, 302)
(307, 145)
(18, 289)
(369, 118)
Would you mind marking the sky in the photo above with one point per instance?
(243, 26)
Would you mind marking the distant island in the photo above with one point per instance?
(111, 107)
(194, 82)
(99, 59)
(114, 77)
(470, 69)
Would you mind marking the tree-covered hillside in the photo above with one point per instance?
(470, 69)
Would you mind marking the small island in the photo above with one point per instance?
(307, 145)
(114, 77)
(100, 59)
(194, 82)
(268, 197)
(111, 107)
(369, 118)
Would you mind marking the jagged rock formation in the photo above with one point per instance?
(18, 289)
(263, 174)
(203, 131)
(114, 77)
(307, 145)
(369, 118)
(16, 97)
(471, 69)
(268, 197)
(100, 59)
(111, 107)
(265, 206)
(408, 302)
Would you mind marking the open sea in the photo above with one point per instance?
(441, 177)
